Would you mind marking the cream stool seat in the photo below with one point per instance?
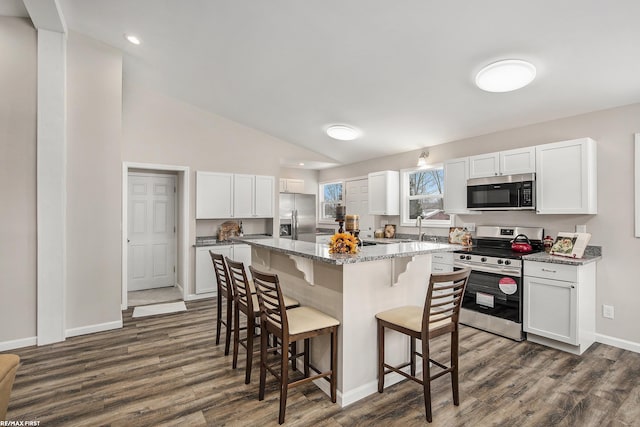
(438, 316)
(301, 323)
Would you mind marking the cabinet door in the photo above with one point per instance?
(264, 194)
(484, 165)
(456, 172)
(243, 195)
(384, 193)
(550, 309)
(566, 178)
(205, 276)
(214, 195)
(283, 185)
(242, 253)
(521, 160)
(295, 185)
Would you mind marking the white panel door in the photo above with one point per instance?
(357, 197)
(152, 231)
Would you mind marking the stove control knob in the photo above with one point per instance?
(483, 259)
(462, 257)
(507, 262)
(468, 257)
(500, 261)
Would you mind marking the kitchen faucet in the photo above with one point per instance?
(419, 225)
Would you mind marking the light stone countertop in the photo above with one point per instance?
(557, 259)
(320, 252)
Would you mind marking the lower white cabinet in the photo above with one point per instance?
(442, 262)
(205, 276)
(559, 305)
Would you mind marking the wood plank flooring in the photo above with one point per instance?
(166, 370)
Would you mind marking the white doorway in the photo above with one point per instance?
(152, 235)
(357, 195)
(177, 215)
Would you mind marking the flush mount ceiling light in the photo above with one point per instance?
(342, 132)
(506, 75)
(132, 39)
(422, 160)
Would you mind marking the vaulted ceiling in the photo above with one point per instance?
(402, 71)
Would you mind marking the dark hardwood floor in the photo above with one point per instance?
(167, 370)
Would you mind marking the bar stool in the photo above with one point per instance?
(225, 290)
(246, 302)
(301, 323)
(438, 316)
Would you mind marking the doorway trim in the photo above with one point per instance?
(182, 203)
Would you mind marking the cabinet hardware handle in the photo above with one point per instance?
(572, 287)
(549, 271)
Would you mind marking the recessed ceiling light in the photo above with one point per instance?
(342, 132)
(132, 39)
(506, 75)
(300, 164)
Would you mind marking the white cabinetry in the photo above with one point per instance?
(567, 177)
(289, 185)
(456, 173)
(384, 193)
(205, 276)
(442, 262)
(214, 195)
(225, 195)
(510, 162)
(559, 305)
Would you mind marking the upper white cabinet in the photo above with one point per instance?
(456, 173)
(566, 177)
(384, 193)
(264, 195)
(214, 195)
(510, 162)
(290, 185)
(225, 195)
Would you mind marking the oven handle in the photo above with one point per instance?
(503, 271)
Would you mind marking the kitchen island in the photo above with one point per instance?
(352, 288)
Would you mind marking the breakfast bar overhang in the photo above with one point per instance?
(352, 288)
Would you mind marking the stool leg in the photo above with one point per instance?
(227, 343)
(236, 336)
(454, 366)
(263, 360)
(334, 363)
(412, 350)
(307, 352)
(380, 357)
(426, 377)
(284, 380)
(218, 317)
(294, 356)
(250, 328)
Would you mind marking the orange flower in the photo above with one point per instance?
(343, 243)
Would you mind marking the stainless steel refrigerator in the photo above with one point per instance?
(298, 216)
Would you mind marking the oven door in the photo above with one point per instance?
(495, 293)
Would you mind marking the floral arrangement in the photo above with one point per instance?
(343, 243)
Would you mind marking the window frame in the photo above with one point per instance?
(321, 201)
(405, 221)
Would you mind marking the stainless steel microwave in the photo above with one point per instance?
(502, 193)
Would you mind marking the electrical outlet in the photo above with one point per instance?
(581, 228)
(607, 311)
(470, 226)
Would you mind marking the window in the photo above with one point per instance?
(423, 194)
(330, 197)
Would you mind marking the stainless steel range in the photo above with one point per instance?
(493, 298)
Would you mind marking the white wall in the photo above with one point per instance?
(164, 130)
(612, 228)
(18, 82)
(94, 117)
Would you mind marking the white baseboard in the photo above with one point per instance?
(90, 329)
(22, 342)
(617, 342)
(193, 297)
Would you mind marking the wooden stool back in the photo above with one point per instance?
(225, 290)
